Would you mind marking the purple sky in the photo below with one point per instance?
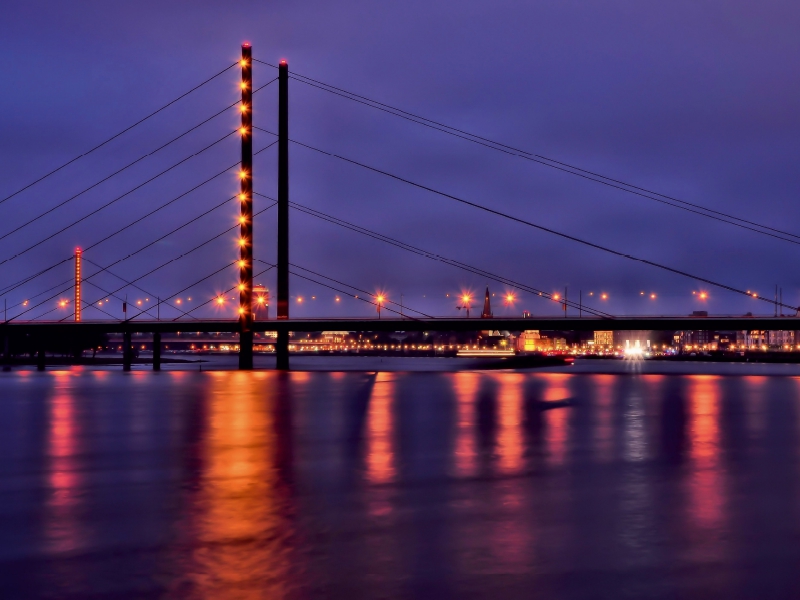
(695, 100)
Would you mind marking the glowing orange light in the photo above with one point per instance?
(242, 219)
(243, 62)
(337, 298)
(242, 175)
(241, 287)
(299, 299)
(63, 303)
(243, 85)
(241, 311)
(241, 264)
(380, 298)
(653, 296)
(465, 298)
(25, 303)
(242, 241)
(243, 108)
(243, 130)
(510, 298)
(556, 296)
(220, 300)
(242, 197)
(604, 296)
(703, 295)
(139, 302)
(261, 299)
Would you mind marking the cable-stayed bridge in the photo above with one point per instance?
(80, 303)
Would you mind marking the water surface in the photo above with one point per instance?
(225, 484)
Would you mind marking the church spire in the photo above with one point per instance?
(487, 306)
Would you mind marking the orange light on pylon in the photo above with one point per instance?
(242, 175)
(78, 282)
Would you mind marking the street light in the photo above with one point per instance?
(465, 303)
(380, 298)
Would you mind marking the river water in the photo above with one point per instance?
(573, 483)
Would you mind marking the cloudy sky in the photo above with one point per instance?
(695, 100)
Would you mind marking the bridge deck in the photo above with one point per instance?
(724, 323)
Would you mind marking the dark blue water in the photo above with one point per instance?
(398, 485)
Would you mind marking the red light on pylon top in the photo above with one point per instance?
(245, 44)
(78, 250)
(283, 62)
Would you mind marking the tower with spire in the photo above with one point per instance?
(487, 306)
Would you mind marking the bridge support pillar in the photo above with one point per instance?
(127, 351)
(246, 350)
(282, 351)
(156, 351)
(40, 359)
(282, 343)
(246, 228)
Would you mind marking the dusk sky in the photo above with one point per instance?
(696, 100)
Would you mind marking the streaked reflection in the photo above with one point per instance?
(63, 529)
(556, 420)
(706, 483)
(755, 406)
(239, 525)
(465, 386)
(603, 435)
(510, 448)
(380, 457)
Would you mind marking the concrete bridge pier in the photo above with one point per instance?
(282, 351)
(156, 352)
(127, 351)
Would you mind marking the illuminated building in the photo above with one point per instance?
(603, 338)
(528, 341)
(633, 339)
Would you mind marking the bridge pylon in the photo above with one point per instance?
(78, 281)
(246, 215)
(282, 341)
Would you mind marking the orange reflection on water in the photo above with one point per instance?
(380, 458)
(705, 483)
(557, 420)
(238, 526)
(465, 386)
(63, 532)
(510, 446)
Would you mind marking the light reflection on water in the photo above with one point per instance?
(239, 485)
